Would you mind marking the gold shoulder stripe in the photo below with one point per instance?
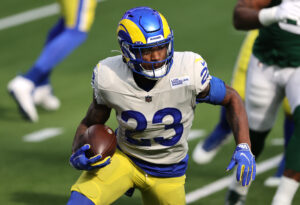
(199, 59)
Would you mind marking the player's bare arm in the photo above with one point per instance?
(251, 14)
(242, 156)
(236, 116)
(96, 114)
(245, 15)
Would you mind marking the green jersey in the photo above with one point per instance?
(278, 44)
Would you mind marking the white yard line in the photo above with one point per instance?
(277, 141)
(43, 134)
(31, 15)
(225, 181)
(194, 134)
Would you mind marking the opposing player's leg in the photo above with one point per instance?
(107, 184)
(262, 96)
(292, 93)
(292, 151)
(286, 191)
(274, 180)
(290, 181)
(205, 151)
(164, 191)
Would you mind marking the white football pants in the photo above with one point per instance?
(265, 89)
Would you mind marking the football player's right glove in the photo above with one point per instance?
(287, 11)
(244, 158)
(78, 160)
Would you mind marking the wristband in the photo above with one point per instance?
(267, 16)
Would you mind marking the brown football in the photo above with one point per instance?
(102, 139)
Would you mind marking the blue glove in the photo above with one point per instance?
(79, 161)
(246, 169)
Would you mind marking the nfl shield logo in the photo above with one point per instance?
(148, 98)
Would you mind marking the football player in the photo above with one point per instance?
(273, 73)
(205, 150)
(33, 87)
(154, 92)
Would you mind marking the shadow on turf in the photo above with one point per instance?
(10, 115)
(39, 198)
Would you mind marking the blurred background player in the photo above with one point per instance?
(154, 92)
(273, 73)
(205, 150)
(34, 87)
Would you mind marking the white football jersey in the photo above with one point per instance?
(154, 125)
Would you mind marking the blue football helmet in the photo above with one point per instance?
(142, 28)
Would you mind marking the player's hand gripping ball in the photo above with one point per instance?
(96, 148)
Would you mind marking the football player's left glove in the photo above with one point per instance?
(246, 169)
(78, 160)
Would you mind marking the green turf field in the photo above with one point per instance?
(39, 173)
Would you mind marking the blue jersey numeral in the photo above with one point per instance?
(141, 126)
(157, 118)
(204, 74)
(176, 125)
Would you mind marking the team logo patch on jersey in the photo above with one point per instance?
(180, 82)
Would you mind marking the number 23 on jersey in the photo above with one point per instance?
(157, 119)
